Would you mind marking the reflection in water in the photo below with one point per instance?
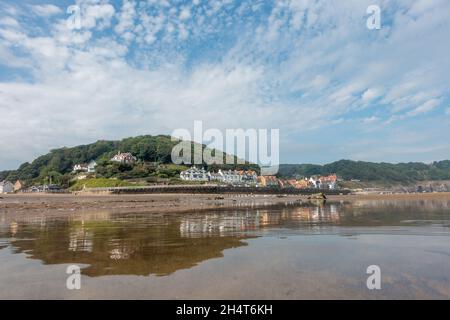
(160, 244)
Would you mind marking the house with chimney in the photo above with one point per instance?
(124, 157)
(85, 167)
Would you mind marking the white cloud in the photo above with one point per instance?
(425, 107)
(97, 16)
(9, 21)
(370, 94)
(46, 10)
(185, 14)
(305, 66)
(371, 119)
(126, 20)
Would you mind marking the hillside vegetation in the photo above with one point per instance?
(153, 154)
(370, 171)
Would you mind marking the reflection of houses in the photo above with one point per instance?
(194, 174)
(119, 254)
(80, 240)
(13, 228)
(6, 187)
(217, 225)
(124, 158)
(85, 167)
(144, 250)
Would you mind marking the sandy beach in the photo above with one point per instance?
(51, 204)
(159, 246)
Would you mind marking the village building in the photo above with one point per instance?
(248, 176)
(268, 181)
(32, 189)
(126, 157)
(324, 182)
(328, 182)
(315, 182)
(46, 188)
(6, 187)
(91, 166)
(215, 176)
(85, 167)
(299, 184)
(80, 167)
(231, 177)
(19, 185)
(194, 174)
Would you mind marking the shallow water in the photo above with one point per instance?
(297, 251)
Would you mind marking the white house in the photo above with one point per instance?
(194, 174)
(248, 176)
(215, 176)
(315, 182)
(80, 167)
(231, 176)
(124, 158)
(85, 167)
(91, 166)
(6, 187)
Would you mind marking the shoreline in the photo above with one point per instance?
(63, 204)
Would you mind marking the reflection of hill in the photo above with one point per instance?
(119, 248)
(144, 244)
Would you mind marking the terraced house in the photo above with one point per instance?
(194, 174)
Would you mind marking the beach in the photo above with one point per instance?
(180, 246)
(58, 204)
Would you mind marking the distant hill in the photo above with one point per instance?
(59, 162)
(370, 171)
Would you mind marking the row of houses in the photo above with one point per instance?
(9, 187)
(45, 188)
(249, 177)
(316, 182)
(19, 186)
(226, 176)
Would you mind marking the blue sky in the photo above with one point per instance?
(310, 68)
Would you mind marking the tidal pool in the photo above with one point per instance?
(296, 251)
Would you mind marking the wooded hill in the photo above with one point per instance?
(153, 154)
(370, 171)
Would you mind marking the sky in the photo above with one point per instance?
(310, 68)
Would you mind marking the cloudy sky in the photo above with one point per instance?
(311, 68)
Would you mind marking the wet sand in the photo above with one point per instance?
(305, 251)
(56, 204)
